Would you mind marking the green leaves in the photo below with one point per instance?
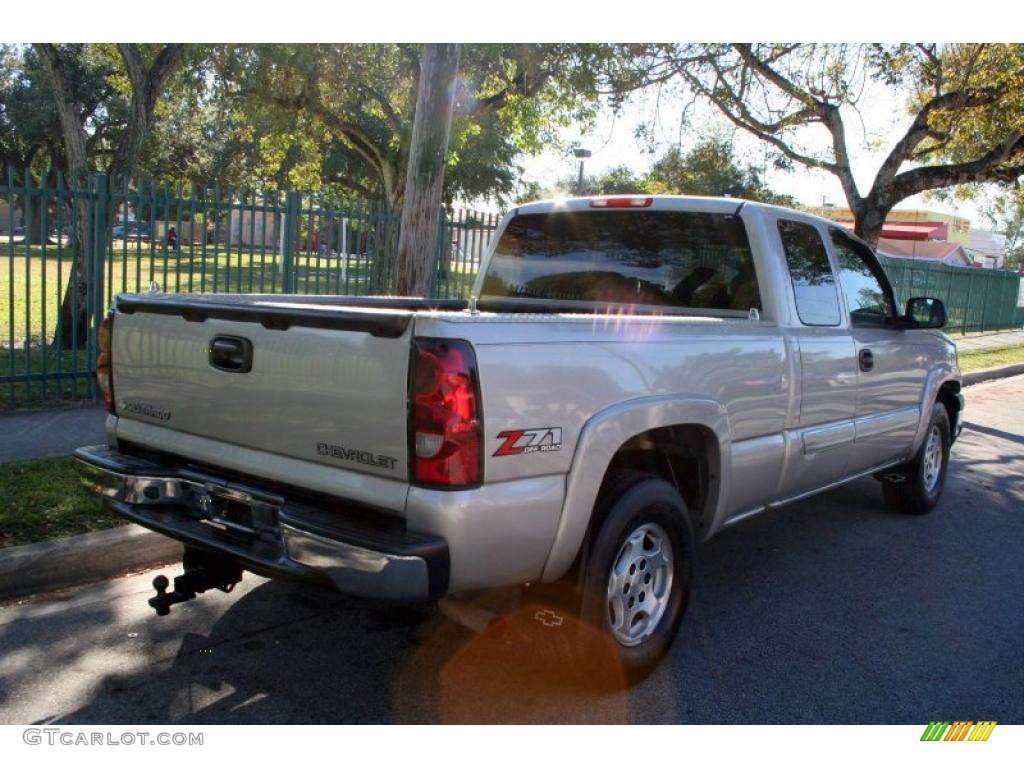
(711, 169)
(349, 109)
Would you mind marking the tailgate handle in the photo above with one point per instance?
(231, 353)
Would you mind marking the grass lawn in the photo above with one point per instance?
(33, 280)
(32, 284)
(44, 499)
(979, 359)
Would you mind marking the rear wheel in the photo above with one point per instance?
(639, 570)
(914, 488)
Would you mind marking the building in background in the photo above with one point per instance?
(987, 248)
(936, 251)
(909, 224)
(931, 236)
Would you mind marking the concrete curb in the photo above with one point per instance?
(989, 374)
(75, 560)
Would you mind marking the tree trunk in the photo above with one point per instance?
(73, 323)
(424, 180)
(147, 84)
(36, 231)
(34, 234)
(869, 218)
(69, 109)
(381, 264)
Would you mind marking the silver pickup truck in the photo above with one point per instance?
(630, 376)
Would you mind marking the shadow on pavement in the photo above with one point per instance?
(832, 610)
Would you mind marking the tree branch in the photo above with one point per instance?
(785, 85)
(389, 112)
(736, 111)
(68, 109)
(842, 169)
(147, 85)
(355, 137)
(994, 165)
(355, 186)
(919, 129)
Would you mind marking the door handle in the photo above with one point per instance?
(866, 358)
(231, 353)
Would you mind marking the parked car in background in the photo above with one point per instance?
(131, 232)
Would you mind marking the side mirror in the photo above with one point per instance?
(924, 312)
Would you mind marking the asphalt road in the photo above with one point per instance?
(831, 611)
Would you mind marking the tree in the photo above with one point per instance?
(341, 116)
(424, 178)
(28, 129)
(31, 142)
(710, 168)
(965, 102)
(620, 180)
(28, 124)
(66, 67)
(1006, 214)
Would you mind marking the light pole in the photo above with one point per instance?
(581, 155)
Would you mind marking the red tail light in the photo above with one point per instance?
(621, 202)
(104, 366)
(444, 426)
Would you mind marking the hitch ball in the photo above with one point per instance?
(162, 602)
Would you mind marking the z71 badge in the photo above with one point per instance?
(540, 440)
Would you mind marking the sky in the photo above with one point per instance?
(871, 131)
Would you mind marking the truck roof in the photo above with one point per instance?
(658, 203)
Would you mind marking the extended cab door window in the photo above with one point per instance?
(867, 292)
(814, 285)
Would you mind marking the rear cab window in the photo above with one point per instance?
(650, 260)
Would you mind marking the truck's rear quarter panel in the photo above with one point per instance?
(540, 371)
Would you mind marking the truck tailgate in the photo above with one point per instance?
(310, 379)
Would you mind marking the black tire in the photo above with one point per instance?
(647, 509)
(920, 490)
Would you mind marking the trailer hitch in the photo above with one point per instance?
(202, 572)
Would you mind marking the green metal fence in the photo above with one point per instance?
(975, 299)
(188, 239)
(182, 239)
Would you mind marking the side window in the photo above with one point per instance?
(814, 285)
(866, 296)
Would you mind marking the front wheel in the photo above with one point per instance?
(639, 570)
(914, 488)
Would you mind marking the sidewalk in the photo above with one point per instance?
(990, 340)
(53, 432)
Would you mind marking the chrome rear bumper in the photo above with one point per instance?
(265, 531)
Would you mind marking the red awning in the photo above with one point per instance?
(926, 230)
